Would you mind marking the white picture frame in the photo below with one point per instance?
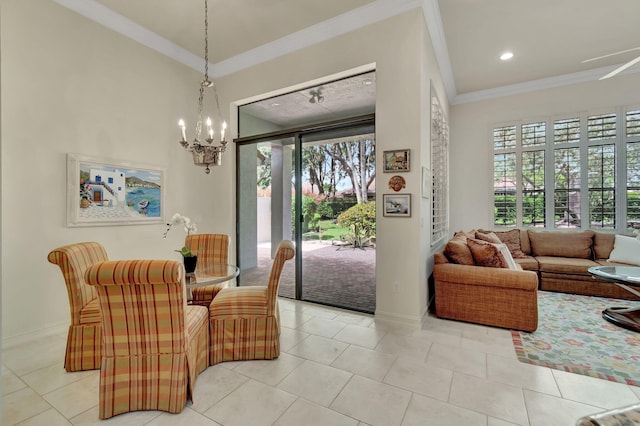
(396, 205)
(107, 192)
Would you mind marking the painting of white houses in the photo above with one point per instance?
(106, 187)
(112, 192)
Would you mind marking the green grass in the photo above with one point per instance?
(330, 231)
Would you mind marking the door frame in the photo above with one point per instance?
(297, 134)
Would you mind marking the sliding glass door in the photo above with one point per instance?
(266, 182)
(317, 188)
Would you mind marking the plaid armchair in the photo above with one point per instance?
(245, 321)
(155, 344)
(84, 340)
(210, 249)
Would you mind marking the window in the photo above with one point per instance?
(566, 193)
(533, 197)
(602, 127)
(566, 131)
(558, 172)
(534, 134)
(602, 185)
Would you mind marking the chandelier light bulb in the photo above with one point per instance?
(183, 128)
(209, 128)
(506, 56)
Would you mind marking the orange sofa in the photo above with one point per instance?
(546, 260)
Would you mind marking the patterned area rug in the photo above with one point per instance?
(572, 336)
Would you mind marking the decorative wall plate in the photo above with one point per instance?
(397, 183)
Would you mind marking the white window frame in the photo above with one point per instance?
(620, 142)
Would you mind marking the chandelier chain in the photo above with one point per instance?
(205, 82)
(206, 57)
(205, 154)
(206, 41)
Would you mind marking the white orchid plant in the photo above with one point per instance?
(189, 228)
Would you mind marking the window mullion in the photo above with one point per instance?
(621, 175)
(549, 176)
(585, 218)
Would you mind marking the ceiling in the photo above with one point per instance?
(549, 38)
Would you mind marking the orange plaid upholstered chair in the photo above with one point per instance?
(245, 321)
(210, 249)
(84, 340)
(155, 344)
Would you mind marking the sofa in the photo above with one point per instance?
(506, 296)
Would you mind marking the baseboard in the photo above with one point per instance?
(58, 328)
(412, 321)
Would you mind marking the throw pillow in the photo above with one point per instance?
(486, 254)
(457, 250)
(512, 240)
(507, 256)
(626, 250)
(488, 236)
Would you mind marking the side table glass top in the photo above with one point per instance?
(627, 277)
(624, 274)
(212, 274)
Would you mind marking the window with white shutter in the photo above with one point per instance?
(439, 173)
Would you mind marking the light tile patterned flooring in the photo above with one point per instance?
(336, 368)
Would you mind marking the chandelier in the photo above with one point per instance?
(205, 153)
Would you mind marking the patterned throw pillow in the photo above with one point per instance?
(488, 236)
(512, 240)
(487, 254)
(457, 250)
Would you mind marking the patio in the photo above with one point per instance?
(333, 275)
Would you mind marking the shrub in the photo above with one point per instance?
(361, 218)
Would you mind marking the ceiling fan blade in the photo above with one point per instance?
(610, 54)
(621, 68)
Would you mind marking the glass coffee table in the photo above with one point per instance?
(626, 277)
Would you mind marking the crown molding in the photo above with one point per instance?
(431, 13)
(326, 30)
(355, 19)
(536, 85)
(102, 15)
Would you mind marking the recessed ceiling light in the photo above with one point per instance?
(275, 104)
(506, 56)
(367, 82)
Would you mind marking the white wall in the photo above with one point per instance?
(471, 147)
(404, 65)
(70, 85)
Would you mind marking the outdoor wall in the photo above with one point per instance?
(71, 85)
(471, 161)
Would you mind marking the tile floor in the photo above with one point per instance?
(336, 368)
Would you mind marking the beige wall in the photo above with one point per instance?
(70, 85)
(471, 146)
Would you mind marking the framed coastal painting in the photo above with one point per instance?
(397, 205)
(104, 192)
(396, 161)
